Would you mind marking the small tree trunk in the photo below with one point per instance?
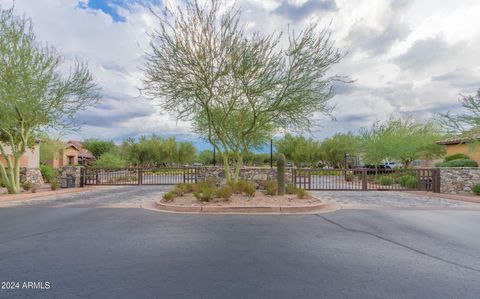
(238, 165)
(226, 166)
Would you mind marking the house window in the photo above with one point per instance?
(71, 160)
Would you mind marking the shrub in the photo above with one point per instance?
(271, 187)
(179, 191)
(27, 185)
(290, 189)
(204, 194)
(476, 189)
(250, 189)
(49, 174)
(224, 192)
(459, 163)
(456, 157)
(301, 193)
(349, 177)
(54, 185)
(408, 181)
(110, 160)
(169, 196)
(405, 178)
(385, 180)
(239, 187)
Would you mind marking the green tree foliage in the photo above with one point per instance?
(402, 140)
(205, 157)
(299, 150)
(236, 88)
(110, 160)
(34, 93)
(156, 150)
(49, 148)
(333, 149)
(466, 123)
(98, 147)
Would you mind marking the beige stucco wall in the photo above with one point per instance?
(473, 151)
(31, 159)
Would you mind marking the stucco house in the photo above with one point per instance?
(463, 145)
(29, 164)
(72, 153)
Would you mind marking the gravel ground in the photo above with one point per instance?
(390, 199)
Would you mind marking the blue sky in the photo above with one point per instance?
(406, 57)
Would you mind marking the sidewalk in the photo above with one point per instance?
(461, 197)
(40, 194)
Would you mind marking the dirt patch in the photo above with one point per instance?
(259, 200)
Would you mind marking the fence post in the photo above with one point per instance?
(436, 175)
(364, 180)
(140, 176)
(184, 180)
(82, 177)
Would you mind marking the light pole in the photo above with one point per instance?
(214, 161)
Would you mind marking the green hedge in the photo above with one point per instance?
(49, 174)
(458, 163)
(456, 157)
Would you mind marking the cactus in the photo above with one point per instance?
(281, 174)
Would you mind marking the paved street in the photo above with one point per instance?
(89, 252)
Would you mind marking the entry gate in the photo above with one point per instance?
(367, 179)
(140, 176)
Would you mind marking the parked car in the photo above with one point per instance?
(391, 165)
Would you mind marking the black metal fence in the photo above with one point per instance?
(367, 179)
(140, 176)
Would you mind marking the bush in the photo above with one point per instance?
(459, 163)
(250, 189)
(408, 181)
(385, 180)
(204, 194)
(239, 187)
(224, 192)
(301, 193)
(187, 187)
(110, 160)
(179, 191)
(169, 196)
(271, 187)
(27, 185)
(456, 157)
(290, 189)
(476, 189)
(49, 174)
(54, 185)
(349, 177)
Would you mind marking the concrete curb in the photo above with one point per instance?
(4, 198)
(459, 197)
(310, 209)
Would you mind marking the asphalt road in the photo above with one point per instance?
(88, 252)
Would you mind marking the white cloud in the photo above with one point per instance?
(406, 56)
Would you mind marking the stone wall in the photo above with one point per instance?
(458, 180)
(33, 175)
(74, 171)
(256, 174)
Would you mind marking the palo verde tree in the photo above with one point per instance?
(237, 88)
(34, 94)
(466, 123)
